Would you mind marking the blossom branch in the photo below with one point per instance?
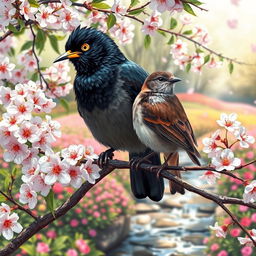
(89, 7)
(41, 76)
(18, 206)
(45, 220)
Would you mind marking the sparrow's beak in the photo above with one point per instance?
(174, 80)
(68, 55)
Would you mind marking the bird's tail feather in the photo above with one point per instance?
(145, 183)
(174, 161)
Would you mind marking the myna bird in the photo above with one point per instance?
(106, 85)
(161, 122)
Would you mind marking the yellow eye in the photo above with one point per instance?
(85, 47)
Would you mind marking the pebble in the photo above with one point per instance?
(199, 227)
(165, 222)
(171, 203)
(145, 208)
(196, 239)
(143, 219)
(164, 244)
(141, 251)
(207, 209)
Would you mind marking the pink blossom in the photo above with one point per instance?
(235, 232)
(4, 209)
(27, 132)
(243, 137)
(253, 217)
(214, 247)
(222, 253)
(152, 23)
(69, 19)
(84, 221)
(92, 232)
(74, 223)
(243, 208)
(27, 10)
(51, 234)
(42, 247)
(5, 95)
(57, 188)
(71, 252)
(186, 19)
(235, 2)
(9, 224)
(250, 154)
(246, 251)
(82, 246)
(246, 240)
(246, 221)
(210, 144)
(253, 48)
(117, 8)
(232, 23)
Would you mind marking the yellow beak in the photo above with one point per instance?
(68, 55)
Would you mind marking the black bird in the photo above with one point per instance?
(106, 85)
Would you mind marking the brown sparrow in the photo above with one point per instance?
(161, 122)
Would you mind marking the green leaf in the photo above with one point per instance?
(196, 2)
(34, 77)
(231, 67)
(33, 3)
(59, 243)
(173, 23)
(2, 198)
(134, 2)
(40, 40)
(206, 58)
(60, 38)
(171, 40)
(29, 248)
(21, 23)
(187, 32)
(65, 104)
(198, 50)
(188, 67)
(147, 41)
(4, 173)
(26, 45)
(188, 8)
(161, 33)
(12, 28)
(50, 202)
(54, 43)
(12, 52)
(111, 21)
(14, 171)
(97, 1)
(101, 5)
(136, 12)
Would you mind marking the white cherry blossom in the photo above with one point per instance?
(90, 171)
(30, 170)
(11, 121)
(76, 176)
(45, 16)
(250, 192)
(229, 121)
(210, 144)
(15, 152)
(220, 231)
(39, 185)
(210, 177)
(244, 139)
(117, 8)
(89, 153)
(4, 209)
(226, 161)
(27, 132)
(28, 195)
(246, 240)
(5, 95)
(56, 170)
(73, 153)
(9, 224)
(27, 10)
(6, 68)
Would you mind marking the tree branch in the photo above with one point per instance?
(45, 220)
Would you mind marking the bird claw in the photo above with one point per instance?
(104, 157)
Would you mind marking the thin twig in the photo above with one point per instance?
(41, 76)
(20, 207)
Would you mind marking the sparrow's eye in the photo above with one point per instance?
(85, 47)
(161, 79)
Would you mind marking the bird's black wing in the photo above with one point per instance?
(133, 77)
(143, 183)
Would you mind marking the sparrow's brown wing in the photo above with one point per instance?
(168, 119)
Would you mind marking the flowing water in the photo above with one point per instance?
(177, 225)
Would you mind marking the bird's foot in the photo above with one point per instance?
(104, 157)
(136, 162)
